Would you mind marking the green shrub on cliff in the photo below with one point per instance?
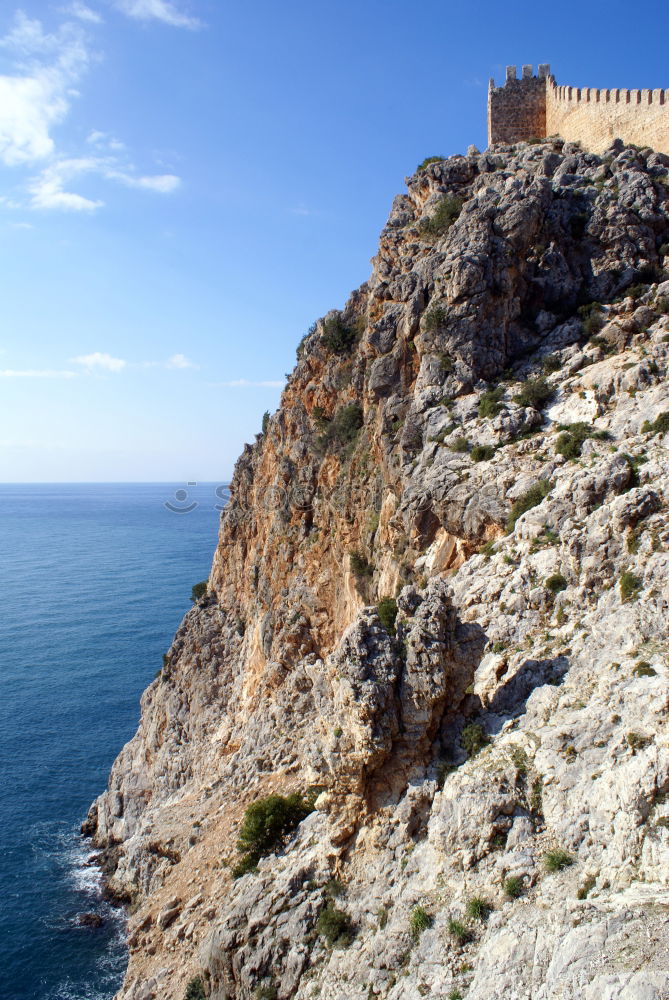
(195, 990)
(474, 738)
(443, 217)
(592, 319)
(343, 429)
(266, 826)
(387, 611)
(337, 335)
(555, 861)
(427, 161)
(573, 436)
(435, 318)
(335, 926)
(658, 426)
(630, 585)
(199, 591)
(527, 501)
(419, 921)
(360, 565)
(482, 452)
(489, 403)
(535, 393)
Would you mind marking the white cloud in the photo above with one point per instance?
(21, 225)
(179, 361)
(99, 360)
(38, 96)
(162, 183)
(102, 361)
(48, 189)
(36, 373)
(244, 383)
(157, 10)
(102, 140)
(84, 13)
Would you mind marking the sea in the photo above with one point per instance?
(94, 580)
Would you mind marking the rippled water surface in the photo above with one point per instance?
(94, 581)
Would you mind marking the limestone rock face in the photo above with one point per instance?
(481, 436)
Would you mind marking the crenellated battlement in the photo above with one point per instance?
(598, 96)
(530, 106)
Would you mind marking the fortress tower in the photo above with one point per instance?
(534, 107)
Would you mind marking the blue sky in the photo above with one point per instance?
(185, 185)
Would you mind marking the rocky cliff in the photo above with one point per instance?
(438, 612)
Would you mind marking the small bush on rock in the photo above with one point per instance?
(334, 888)
(644, 670)
(513, 886)
(338, 336)
(387, 612)
(443, 217)
(266, 993)
(419, 921)
(474, 738)
(659, 426)
(360, 565)
(489, 403)
(266, 826)
(527, 501)
(195, 990)
(591, 318)
(459, 931)
(435, 318)
(555, 861)
(570, 442)
(482, 452)
(199, 591)
(427, 161)
(478, 909)
(551, 363)
(335, 926)
(342, 431)
(460, 444)
(535, 393)
(630, 585)
(556, 583)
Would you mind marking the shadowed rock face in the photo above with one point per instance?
(517, 297)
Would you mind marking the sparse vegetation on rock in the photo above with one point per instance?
(387, 611)
(420, 921)
(199, 590)
(267, 823)
(556, 860)
(442, 218)
(532, 498)
(335, 926)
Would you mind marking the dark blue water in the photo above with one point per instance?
(94, 580)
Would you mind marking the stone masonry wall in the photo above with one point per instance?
(536, 107)
(597, 117)
(517, 111)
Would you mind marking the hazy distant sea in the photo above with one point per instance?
(94, 581)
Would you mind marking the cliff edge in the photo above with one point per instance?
(438, 612)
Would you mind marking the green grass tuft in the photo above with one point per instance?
(556, 860)
(419, 921)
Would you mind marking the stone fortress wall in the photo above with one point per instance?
(536, 107)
